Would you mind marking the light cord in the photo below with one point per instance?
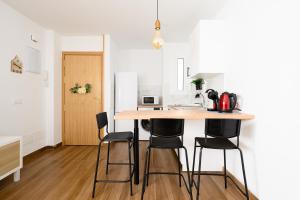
(157, 9)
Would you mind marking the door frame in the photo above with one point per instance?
(64, 53)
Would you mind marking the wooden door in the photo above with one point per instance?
(79, 110)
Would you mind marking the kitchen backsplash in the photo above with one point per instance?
(150, 90)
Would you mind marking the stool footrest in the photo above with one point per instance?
(208, 174)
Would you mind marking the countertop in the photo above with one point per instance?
(181, 114)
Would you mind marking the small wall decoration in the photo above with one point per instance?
(16, 65)
(77, 89)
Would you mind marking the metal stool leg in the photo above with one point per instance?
(193, 169)
(107, 161)
(188, 173)
(179, 167)
(225, 169)
(145, 173)
(96, 172)
(148, 168)
(129, 157)
(244, 174)
(199, 171)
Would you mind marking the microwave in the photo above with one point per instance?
(150, 100)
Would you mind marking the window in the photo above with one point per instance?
(180, 73)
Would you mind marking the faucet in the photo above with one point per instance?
(202, 98)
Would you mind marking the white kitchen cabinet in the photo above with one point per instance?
(206, 43)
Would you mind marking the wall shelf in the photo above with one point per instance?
(206, 75)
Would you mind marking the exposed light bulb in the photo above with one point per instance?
(157, 41)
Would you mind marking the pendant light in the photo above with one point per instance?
(157, 41)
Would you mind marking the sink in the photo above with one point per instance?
(186, 107)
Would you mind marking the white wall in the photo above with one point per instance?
(82, 43)
(27, 119)
(53, 81)
(111, 59)
(171, 95)
(263, 66)
(38, 117)
(148, 64)
(49, 85)
(55, 45)
(57, 90)
(173, 51)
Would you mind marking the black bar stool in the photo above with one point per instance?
(166, 134)
(112, 137)
(219, 130)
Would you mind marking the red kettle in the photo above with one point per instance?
(227, 102)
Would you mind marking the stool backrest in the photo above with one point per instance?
(102, 122)
(166, 127)
(222, 128)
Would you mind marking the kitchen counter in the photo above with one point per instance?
(194, 126)
(181, 114)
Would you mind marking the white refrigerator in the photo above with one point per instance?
(126, 98)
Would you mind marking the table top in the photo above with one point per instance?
(180, 114)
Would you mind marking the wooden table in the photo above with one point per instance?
(172, 114)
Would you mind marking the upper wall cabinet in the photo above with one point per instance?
(207, 47)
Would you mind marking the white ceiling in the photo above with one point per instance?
(130, 22)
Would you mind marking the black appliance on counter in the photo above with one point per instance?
(213, 95)
(225, 103)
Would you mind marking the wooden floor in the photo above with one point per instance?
(67, 173)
